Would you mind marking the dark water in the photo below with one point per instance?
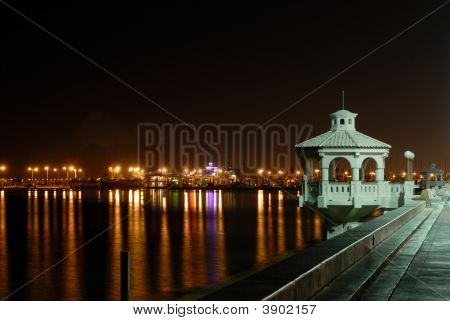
(66, 245)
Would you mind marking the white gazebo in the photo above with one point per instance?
(354, 196)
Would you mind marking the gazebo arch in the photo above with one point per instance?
(339, 169)
(369, 167)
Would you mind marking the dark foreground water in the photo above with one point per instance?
(66, 245)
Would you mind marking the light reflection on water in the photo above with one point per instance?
(179, 241)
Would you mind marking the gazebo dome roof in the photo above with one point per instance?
(343, 138)
(343, 113)
(343, 134)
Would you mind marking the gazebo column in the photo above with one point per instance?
(356, 181)
(380, 174)
(324, 183)
(332, 170)
(355, 173)
(310, 169)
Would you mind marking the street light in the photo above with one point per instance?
(67, 172)
(74, 170)
(46, 170)
(56, 170)
(116, 171)
(2, 168)
(32, 170)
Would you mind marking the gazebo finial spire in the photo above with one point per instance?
(343, 99)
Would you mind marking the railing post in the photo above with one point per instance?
(124, 275)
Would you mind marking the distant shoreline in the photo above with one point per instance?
(65, 188)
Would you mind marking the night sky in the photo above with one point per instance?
(217, 64)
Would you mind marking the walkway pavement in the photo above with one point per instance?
(351, 284)
(412, 264)
(428, 275)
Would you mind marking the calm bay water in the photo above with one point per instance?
(65, 245)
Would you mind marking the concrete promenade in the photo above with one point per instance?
(412, 264)
(427, 277)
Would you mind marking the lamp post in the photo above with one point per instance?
(32, 170)
(72, 169)
(46, 171)
(116, 172)
(261, 172)
(67, 173)
(56, 170)
(409, 166)
(2, 169)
